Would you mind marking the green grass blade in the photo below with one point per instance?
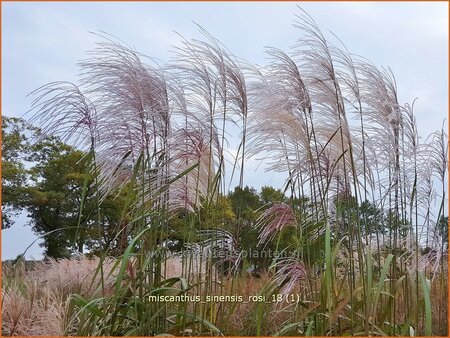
(427, 300)
(125, 260)
(380, 284)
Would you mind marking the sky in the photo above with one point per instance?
(42, 42)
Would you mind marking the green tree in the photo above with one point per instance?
(220, 213)
(15, 150)
(60, 179)
(371, 219)
(248, 205)
(271, 195)
(46, 178)
(245, 202)
(55, 198)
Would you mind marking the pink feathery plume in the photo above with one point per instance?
(190, 148)
(289, 274)
(61, 109)
(273, 220)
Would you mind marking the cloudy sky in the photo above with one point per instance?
(42, 42)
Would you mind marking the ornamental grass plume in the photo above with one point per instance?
(190, 149)
(62, 109)
(273, 220)
(290, 272)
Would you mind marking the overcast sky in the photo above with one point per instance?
(42, 42)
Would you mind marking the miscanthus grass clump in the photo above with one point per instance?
(361, 189)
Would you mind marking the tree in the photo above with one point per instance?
(271, 195)
(245, 202)
(63, 182)
(15, 149)
(55, 198)
(248, 205)
(220, 213)
(371, 219)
